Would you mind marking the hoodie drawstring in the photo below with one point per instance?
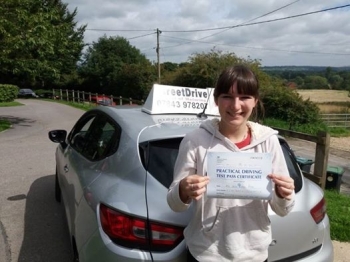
(204, 159)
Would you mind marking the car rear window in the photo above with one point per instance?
(158, 157)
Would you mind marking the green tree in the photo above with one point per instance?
(315, 82)
(203, 69)
(328, 73)
(299, 81)
(345, 84)
(39, 41)
(280, 102)
(169, 66)
(112, 66)
(168, 70)
(335, 81)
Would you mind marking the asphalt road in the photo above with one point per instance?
(32, 226)
(31, 222)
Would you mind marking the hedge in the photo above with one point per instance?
(8, 93)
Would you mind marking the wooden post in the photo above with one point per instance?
(73, 97)
(120, 100)
(61, 94)
(321, 157)
(67, 94)
(322, 141)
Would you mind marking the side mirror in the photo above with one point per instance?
(58, 136)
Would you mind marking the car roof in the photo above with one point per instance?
(133, 121)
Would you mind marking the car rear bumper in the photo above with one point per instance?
(321, 253)
(100, 248)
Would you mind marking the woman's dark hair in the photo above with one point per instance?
(247, 84)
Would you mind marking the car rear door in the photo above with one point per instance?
(90, 142)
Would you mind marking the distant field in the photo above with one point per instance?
(325, 96)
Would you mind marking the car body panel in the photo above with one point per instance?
(26, 93)
(120, 180)
(312, 234)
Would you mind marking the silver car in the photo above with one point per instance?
(113, 171)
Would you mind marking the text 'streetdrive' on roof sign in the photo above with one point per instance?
(164, 99)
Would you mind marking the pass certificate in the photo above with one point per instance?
(239, 175)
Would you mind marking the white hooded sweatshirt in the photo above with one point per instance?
(227, 229)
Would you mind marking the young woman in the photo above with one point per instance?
(229, 229)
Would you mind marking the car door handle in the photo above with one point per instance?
(65, 168)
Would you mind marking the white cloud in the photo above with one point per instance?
(318, 39)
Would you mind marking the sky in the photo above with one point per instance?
(188, 27)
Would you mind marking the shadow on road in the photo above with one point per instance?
(46, 235)
(18, 120)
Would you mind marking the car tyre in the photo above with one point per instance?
(57, 189)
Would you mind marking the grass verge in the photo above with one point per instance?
(338, 210)
(7, 104)
(82, 106)
(4, 124)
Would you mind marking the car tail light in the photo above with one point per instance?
(318, 212)
(129, 231)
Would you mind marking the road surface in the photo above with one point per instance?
(31, 222)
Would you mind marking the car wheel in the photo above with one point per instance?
(57, 189)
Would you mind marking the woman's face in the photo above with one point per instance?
(235, 109)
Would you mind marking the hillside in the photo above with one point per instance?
(304, 68)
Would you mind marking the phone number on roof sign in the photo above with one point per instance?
(178, 104)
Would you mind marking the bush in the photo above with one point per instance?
(8, 93)
(287, 105)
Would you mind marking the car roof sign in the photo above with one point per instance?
(165, 99)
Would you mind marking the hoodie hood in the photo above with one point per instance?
(260, 133)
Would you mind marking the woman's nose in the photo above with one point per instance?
(235, 103)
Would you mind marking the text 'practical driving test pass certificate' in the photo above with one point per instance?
(239, 175)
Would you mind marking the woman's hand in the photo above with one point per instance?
(193, 187)
(284, 186)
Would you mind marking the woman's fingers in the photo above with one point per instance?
(194, 186)
(284, 185)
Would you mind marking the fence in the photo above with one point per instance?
(322, 140)
(88, 97)
(336, 120)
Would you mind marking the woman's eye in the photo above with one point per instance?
(245, 97)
